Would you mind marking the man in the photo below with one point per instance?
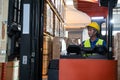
(94, 44)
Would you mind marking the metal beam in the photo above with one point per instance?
(110, 28)
(31, 49)
(25, 45)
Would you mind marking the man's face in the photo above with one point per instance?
(91, 31)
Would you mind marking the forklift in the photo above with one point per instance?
(25, 36)
(76, 67)
(25, 30)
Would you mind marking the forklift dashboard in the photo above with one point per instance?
(75, 51)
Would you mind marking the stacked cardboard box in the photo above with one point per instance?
(56, 48)
(0, 70)
(47, 52)
(11, 70)
(45, 55)
(117, 51)
(3, 29)
(45, 65)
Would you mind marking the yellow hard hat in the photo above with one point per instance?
(94, 25)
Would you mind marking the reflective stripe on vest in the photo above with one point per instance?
(87, 43)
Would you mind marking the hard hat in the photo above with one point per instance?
(94, 25)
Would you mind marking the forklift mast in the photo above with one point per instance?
(14, 28)
(25, 32)
(31, 47)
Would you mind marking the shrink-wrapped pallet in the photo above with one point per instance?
(117, 51)
(9, 70)
(56, 48)
(47, 53)
(3, 29)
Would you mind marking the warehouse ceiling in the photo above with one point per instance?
(79, 12)
(91, 7)
(75, 19)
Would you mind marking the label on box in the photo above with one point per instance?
(2, 58)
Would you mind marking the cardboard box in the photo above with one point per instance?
(11, 70)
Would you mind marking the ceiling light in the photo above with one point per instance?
(112, 21)
(118, 1)
(69, 2)
(97, 18)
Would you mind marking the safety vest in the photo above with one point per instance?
(87, 45)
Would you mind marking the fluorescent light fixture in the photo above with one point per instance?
(118, 1)
(97, 18)
(69, 2)
(118, 4)
(112, 21)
